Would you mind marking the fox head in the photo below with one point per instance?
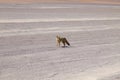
(57, 36)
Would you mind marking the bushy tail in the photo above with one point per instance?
(67, 42)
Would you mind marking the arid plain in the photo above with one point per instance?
(28, 48)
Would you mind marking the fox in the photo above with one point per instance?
(62, 40)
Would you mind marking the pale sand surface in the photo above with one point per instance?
(28, 48)
(62, 1)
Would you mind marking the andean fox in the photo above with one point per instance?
(62, 40)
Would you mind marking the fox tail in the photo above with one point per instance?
(67, 42)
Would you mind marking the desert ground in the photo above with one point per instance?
(61, 1)
(28, 48)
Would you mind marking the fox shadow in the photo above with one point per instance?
(65, 46)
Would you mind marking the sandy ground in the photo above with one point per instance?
(28, 48)
(62, 1)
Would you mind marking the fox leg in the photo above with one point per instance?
(58, 43)
(63, 43)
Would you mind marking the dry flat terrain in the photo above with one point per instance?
(62, 1)
(27, 42)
